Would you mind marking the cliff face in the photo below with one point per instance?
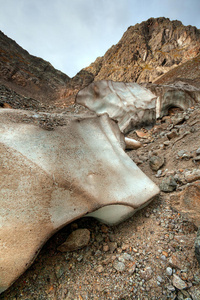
(29, 75)
(147, 51)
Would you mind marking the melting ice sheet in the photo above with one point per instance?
(50, 178)
(128, 103)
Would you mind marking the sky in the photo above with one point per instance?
(71, 34)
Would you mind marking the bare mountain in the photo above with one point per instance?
(148, 50)
(144, 54)
(28, 75)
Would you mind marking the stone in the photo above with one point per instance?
(168, 184)
(171, 288)
(198, 151)
(176, 261)
(156, 162)
(119, 266)
(172, 134)
(112, 246)
(132, 267)
(58, 176)
(169, 271)
(188, 202)
(147, 273)
(192, 175)
(197, 246)
(132, 144)
(178, 282)
(76, 240)
(100, 269)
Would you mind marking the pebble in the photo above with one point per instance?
(119, 266)
(105, 248)
(168, 184)
(171, 288)
(180, 153)
(76, 240)
(198, 151)
(172, 134)
(178, 282)
(100, 269)
(169, 271)
(156, 162)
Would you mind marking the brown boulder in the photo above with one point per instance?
(188, 202)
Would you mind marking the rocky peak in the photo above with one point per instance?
(147, 51)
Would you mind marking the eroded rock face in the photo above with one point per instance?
(148, 50)
(53, 175)
(128, 103)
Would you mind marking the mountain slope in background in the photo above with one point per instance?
(144, 54)
(29, 75)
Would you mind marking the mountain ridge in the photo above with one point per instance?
(145, 53)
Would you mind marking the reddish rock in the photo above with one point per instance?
(188, 202)
(76, 240)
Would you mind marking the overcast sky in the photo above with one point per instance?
(71, 34)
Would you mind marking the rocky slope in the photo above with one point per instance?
(148, 50)
(188, 72)
(28, 75)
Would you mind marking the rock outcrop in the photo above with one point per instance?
(148, 50)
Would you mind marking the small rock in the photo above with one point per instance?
(105, 248)
(147, 273)
(172, 134)
(76, 240)
(112, 246)
(168, 184)
(171, 288)
(198, 151)
(59, 270)
(119, 266)
(125, 246)
(181, 152)
(197, 158)
(178, 120)
(169, 271)
(132, 268)
(104, 228)
(178, 282)
(176, 261)
(100, 269)
(192, 175)
(166, 143)
(156, 162)
(160, 279)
